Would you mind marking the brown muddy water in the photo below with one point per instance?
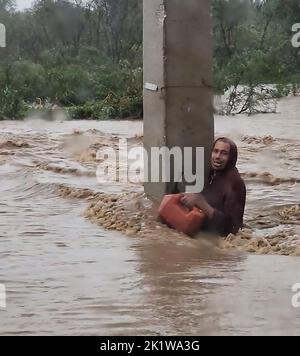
(82, 258)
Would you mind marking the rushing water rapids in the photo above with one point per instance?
(79, 257)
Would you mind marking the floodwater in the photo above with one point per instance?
(70, 268)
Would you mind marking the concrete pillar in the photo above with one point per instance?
(178, 97)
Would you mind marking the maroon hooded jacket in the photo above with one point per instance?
(226, 193)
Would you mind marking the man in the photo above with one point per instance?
(223, 198)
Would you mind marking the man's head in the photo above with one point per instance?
(224, 154)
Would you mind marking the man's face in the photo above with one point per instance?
(220, 155)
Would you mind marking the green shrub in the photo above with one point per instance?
(11, 104)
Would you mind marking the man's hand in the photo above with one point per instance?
(190, 200)
(198, 200)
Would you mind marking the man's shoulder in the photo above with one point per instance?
(234, 177)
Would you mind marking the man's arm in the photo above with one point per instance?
(230, 220)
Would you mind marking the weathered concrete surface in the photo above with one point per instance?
(178, 59)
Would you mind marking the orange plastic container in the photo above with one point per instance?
(179, 217)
